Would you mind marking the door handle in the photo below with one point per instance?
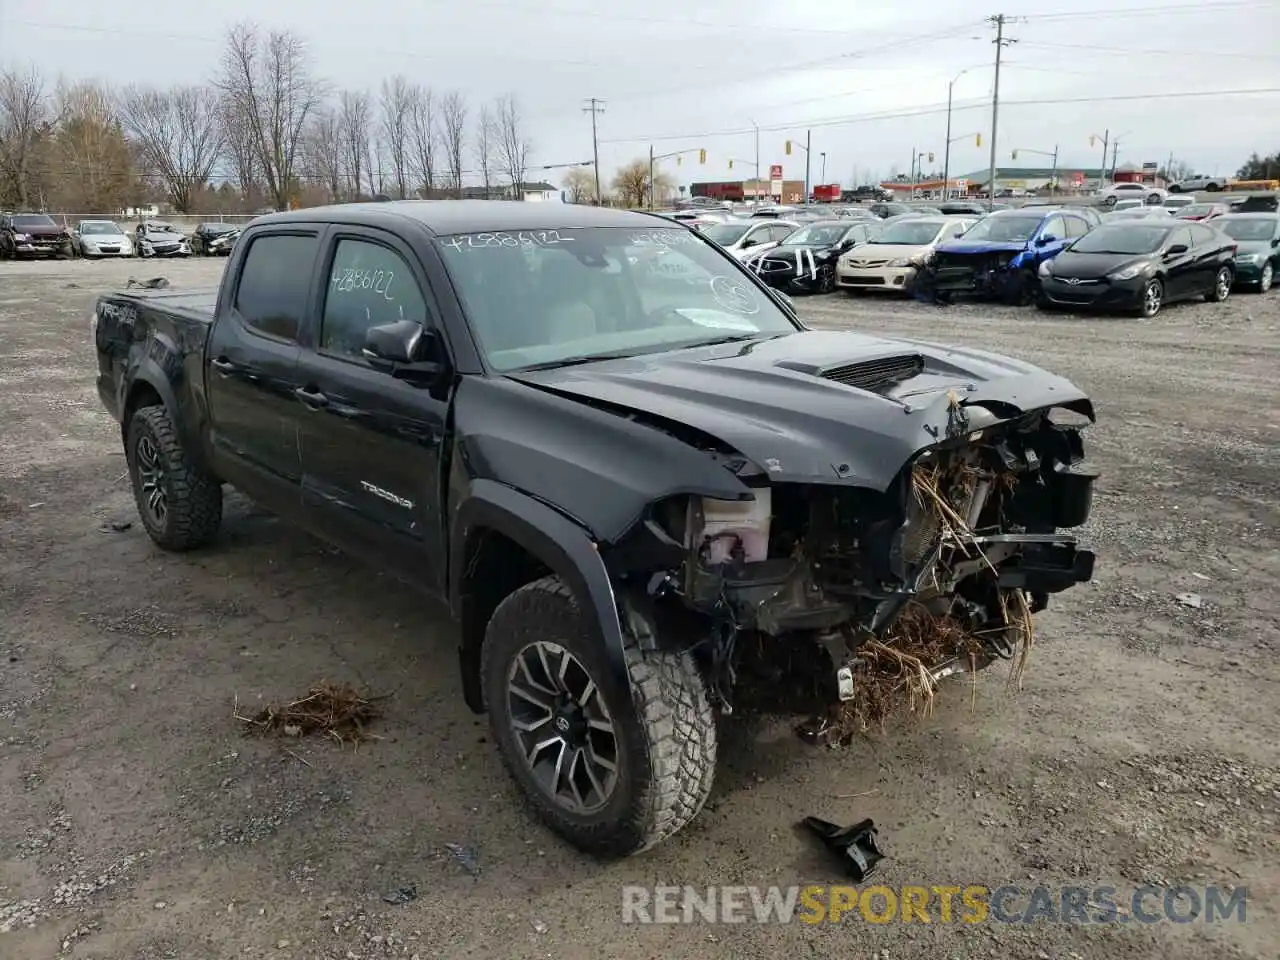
(314, 399)
(223, 365)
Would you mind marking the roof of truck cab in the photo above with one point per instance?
(472, 216)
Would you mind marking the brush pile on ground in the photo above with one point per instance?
(329, 709)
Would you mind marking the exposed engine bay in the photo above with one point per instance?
(843, 603)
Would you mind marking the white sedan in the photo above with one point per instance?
(102, 238)
(1133, 191)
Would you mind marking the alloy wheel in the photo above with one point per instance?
(1151, 298)
(151, 479)
(1222, 287)
(563, 727)
(1264, 281)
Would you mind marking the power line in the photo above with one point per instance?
(1137, 51)
(1136, 11)
(935, 109)
(948, 33)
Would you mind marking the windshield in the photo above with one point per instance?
(547, 297)
(99, 228)
(816, 236)
(1260, 229)
(162, 228)
(33, 220)
(1004, 229)
(726, 234)
(1123, 238)
(913, 232)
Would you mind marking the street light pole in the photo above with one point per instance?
(824, 167)
(946, 153)
(808, 142)
(651, 176)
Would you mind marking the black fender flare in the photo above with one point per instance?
(149, 374)
(563, 545)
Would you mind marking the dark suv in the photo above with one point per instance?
(32, 235)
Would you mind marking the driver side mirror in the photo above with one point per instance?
(1176, 249)
(405, 349)
(1047, 239)
(750, 242)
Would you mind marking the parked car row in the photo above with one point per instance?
(38, 234)
(1076, 257)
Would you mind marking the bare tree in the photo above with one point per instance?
(632, 183)
(177, 135)
(90, 162)
(581, 185)
(354, 116)
(453, 131)
(268, 86)
(24, 119)
(240, 149)
(324, 152)
(422, 138)
(513, 145)
(486, 143)
(397, 106)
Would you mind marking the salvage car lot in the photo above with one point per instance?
(143, 825)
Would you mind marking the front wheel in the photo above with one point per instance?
(180, 505)
(1152, 298)
(613, 766)
(1265, 278)
(1221, 286)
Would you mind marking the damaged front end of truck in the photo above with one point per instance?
(845, 603)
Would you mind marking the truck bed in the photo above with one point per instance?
(188, 304)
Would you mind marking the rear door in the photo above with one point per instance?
(371, 443)
(252, 366)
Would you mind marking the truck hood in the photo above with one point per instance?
(46, 230)
(981, 246)
(777, 402)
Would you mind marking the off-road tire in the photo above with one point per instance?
(1219, 292)
(666, 727)
(194, 498)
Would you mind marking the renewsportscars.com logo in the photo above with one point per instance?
(934, 904)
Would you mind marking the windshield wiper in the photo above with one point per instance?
(574, 361)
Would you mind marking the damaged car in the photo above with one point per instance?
(156, 238)
(648, 502)
(805, 261)
(999, 257)
(32, 235)
(214, 239)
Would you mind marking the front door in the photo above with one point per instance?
(371, 443)
(252, 364)
(1180, 268)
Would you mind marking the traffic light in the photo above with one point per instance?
(977, 139)
(730, 164)
(1014, 155)
(931, 158)
(788, 148)
(1091, 139)
(679, 159)
(702, 156)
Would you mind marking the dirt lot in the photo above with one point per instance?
(139, 823)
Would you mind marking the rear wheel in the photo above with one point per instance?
(1152, 298)
(612, 767)
(180, 505)
(1221, 286)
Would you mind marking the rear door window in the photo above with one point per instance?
(275, 282)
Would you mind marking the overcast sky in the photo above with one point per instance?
(867, 81)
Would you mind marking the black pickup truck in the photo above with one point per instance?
(639, 481)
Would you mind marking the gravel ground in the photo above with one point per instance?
(139, 823)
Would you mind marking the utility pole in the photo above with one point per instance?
(1001, 42)
(1102, 170)
(594, 107)
(757, 129)
(808, 143)
(651, 176)
(1115, 152)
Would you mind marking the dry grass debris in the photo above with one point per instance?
(329, 709)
